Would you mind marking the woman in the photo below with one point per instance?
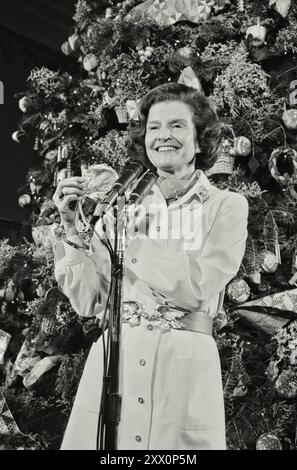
(170, 382)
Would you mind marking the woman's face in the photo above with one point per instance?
(170, 139)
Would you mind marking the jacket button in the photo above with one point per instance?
(138, 438)
(142, 362)
(150, 327)
(134, 260)
(140, 400)
(158, 228)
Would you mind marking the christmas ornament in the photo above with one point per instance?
(169, 12)
(270, 312)
(290, 118)
(66, 48)
(122, 114)
(238, 291)
(242, 146)
(19, 136)
(293, 279)
(24, 200)
(240, 5)
(133, 109)
(7, 422)
(24, 362)
(74, 42)
(225, 160)
(220, 320)
(34, 186)
(281, 6)
(186, 52)
(4, 342)
(25, 104)
(39, 369)
(48, 325)
(108, 13)
(51, 156)
(268, 442)
(286, 384)
(257, 33)
(272, 371)
(293, 357)
(8, 293)
(90, 62)
(240, 390)
(145, 54)
(255, 277)
(283, 165)
(268, 262)
(189, 78)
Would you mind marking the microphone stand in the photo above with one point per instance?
(113, 399)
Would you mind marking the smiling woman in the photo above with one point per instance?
(170, 383)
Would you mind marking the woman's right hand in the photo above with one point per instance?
(68, 191)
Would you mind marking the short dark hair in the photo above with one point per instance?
(205, 120)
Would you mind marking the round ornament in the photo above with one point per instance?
(268, 442)
(25, 104)
(242, 146)
(90, 62)
(24, 200)
(269, 262)
(238, 291)
(286, 384)
(283, 165)
(290, 118)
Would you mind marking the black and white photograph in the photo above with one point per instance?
(148, 229)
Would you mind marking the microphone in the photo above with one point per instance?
(133, 170)
(142, 188)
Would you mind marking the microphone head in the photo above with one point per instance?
(143, 187)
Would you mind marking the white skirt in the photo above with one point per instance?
(171, 387)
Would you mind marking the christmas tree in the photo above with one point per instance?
(243, 55)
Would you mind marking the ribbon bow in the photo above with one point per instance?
(189, 78)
